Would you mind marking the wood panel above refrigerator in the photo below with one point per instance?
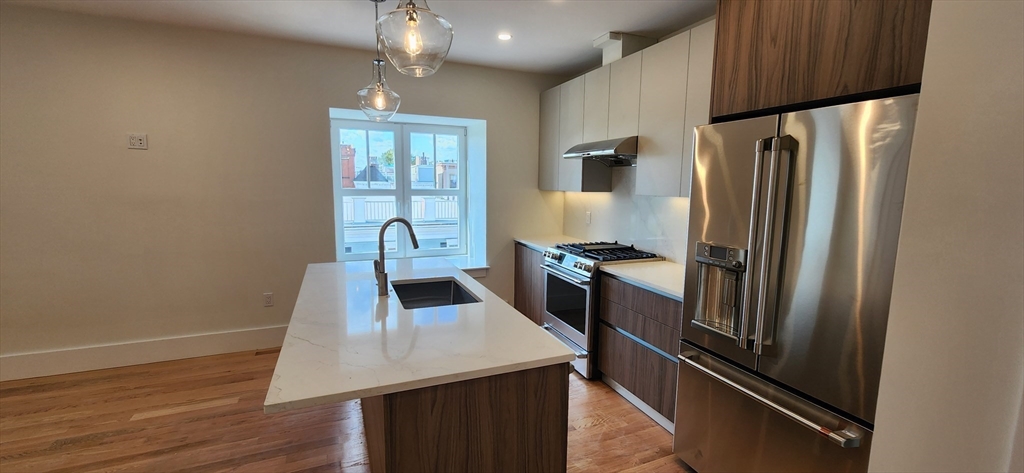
(770, 54)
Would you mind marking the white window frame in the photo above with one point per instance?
(403, 191)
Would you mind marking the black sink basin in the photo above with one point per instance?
(433, 293)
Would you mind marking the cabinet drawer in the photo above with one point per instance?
(657, 381)
(655, 306)
(648, 375)
(662, 336)
(616, 357)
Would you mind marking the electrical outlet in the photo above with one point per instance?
(588, 218)
(268, 299)
(138, 141)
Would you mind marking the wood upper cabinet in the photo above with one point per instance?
(624, 96)
(529, 283)
(701, 62)
(662, 105)
(775, 53)
(549, 154)
(570, 133)
(595, 104)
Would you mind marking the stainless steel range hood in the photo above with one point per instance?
(612, 153)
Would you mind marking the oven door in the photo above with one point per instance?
(567, 309)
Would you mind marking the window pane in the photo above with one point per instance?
(447, 167)
(421, 145)
(363, 218)
(436, 221)
(367, 159)
(435, 161)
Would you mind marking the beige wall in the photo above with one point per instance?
(103, 245)
(953, 374)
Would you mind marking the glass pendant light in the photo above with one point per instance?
(415, 39)
(377, 100)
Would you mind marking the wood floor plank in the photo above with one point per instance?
(187, 407)
(206, 415)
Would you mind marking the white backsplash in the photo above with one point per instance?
(655, 224)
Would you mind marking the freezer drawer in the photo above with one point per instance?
(730, 421)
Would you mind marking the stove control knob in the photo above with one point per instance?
(588, 268)
(737, 264)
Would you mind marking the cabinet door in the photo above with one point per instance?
(538, 280)
(522, 281)
(595, 105)
(698, 94)
(570, 133)
(624, 96)
(529, 283)
(662, 106)
(549, 154)
(775, 53)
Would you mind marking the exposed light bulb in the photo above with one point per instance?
(413, 41)
(380, 99)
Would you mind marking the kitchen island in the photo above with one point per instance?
(467, 387)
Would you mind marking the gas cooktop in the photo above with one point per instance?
(584, 258)
(605, 251)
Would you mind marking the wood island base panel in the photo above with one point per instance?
(513, 422)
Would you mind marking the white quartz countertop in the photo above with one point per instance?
(543, 242)
(345, 343)
(659, 276)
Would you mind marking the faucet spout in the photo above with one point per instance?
(378, 265)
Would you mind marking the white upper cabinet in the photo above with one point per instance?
(595, 105)
(570, 133)
(698, 94)
(663, 80)
(624, 96)
(549, 154)
(659, 95)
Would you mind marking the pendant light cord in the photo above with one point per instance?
(376, 16)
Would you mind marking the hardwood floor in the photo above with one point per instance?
(206, 414)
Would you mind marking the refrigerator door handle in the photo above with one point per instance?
(778, 183)
(755, 203)
(843, 438)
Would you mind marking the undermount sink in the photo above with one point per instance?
(417, 294)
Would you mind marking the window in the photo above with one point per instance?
(416, 171)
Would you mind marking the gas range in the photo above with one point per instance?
(584, 259)
(570, 299)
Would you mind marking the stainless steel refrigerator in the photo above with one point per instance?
(793, 226)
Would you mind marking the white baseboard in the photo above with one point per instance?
(73, 360)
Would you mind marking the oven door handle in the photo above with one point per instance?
(565, 277)
(580, 353)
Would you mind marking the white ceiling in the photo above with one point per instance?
(551, 36)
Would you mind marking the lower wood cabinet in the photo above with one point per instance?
(643, 372)
(529, 283)
(638, 338)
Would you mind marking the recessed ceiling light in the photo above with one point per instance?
(504, 36)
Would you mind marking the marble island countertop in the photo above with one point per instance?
(344, 342)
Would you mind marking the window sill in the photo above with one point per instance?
(472, 267)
